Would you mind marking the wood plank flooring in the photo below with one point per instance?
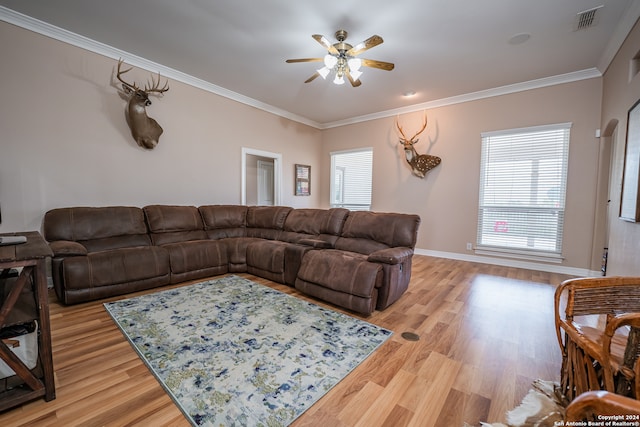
(486, 332)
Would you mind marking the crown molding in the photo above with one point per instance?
(12, 17)
(46, 29)
(474, 96)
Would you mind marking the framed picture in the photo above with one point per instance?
(303, 180)
(631, 176)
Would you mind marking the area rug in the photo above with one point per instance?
(232, 352)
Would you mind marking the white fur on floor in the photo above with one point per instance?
(543, 406)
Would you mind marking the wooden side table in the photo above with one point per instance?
(31, 257)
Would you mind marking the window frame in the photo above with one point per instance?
(344, 181)
(538, 212)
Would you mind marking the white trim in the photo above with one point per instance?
(519, 254)
(474, 96)
(41, 27)
(86, 43)
(530, 129)
(277, 174)
(550, 268)
(351, 150)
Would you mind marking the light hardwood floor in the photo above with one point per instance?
(486, 332)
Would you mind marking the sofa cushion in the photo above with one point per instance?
(196, 255)
(237, 252)
(266, 255)
(89, 223)
(366, 232)
(169, 224)
(324, 224)
(266, 222)
(222, 221)
(341, 271)
(107, 268)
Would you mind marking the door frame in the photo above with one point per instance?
(277, 173)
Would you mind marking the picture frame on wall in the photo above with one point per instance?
(631, 173)
(302, 180)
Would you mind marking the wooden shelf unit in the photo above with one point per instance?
(30, 260)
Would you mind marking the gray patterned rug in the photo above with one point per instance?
(233, 352)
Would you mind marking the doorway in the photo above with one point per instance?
(607, 206)
(261, 177)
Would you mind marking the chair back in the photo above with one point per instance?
(611, 295)
(599, 357)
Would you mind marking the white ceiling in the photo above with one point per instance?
(444, 50)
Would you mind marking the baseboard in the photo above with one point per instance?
(507, 262)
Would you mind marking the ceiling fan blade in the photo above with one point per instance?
(291, 61)
(365, 45)
(326, 43)
(354, 83)
(388, 66)
(313, 77)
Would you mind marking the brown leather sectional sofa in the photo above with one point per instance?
(357, 260)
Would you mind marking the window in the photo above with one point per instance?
(351, 173)
(523, 176)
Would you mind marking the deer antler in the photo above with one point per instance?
(412, 140)
(129, 85)
(400, 129)
(156, 85)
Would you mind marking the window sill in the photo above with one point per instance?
(519, 254)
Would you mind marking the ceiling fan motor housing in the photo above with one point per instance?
(341, 46)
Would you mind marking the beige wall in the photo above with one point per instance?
(619, 95)
(447, 198)
(64, 140)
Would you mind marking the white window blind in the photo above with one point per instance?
(351, 174)
(523, 176)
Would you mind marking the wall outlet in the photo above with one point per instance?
(469, 247)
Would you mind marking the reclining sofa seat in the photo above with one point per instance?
(101, 252)
(180, 230)
(279, 259)
(369, 266)
(228, 223)
(243, 230)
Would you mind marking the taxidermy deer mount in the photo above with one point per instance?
(420, 163)
(145, 130)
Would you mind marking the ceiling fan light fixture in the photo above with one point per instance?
(324, 72)
(354, 64)
(330, 61)
(339, 80)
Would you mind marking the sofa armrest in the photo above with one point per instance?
(391, 255)
(316, 243)
(67, 248)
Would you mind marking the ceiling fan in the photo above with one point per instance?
(342, 60)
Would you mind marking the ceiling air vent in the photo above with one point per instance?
(587, 19)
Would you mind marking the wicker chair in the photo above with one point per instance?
(592, 405)
(598, 334)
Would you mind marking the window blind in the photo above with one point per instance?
(523, 176)
(351, 176)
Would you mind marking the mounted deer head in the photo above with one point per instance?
(420, 163)
(145, 130)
